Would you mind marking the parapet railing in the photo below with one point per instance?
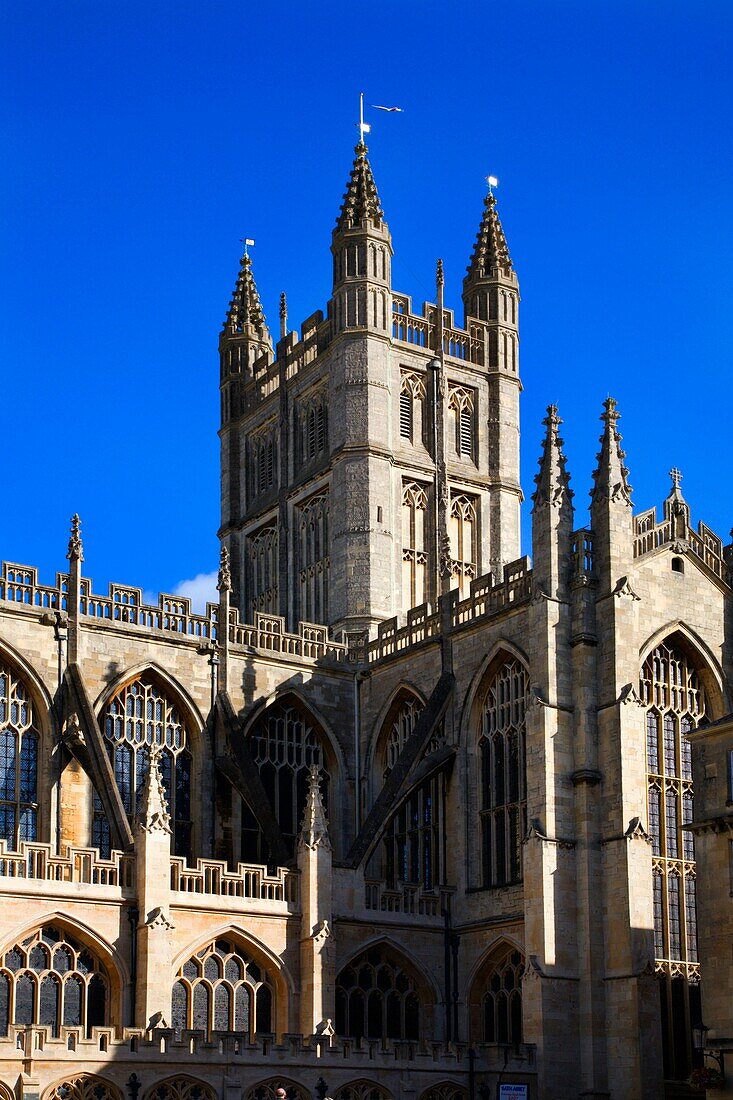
(485, 599)
(419, 331)
(649, 535)
(406, 899)
(211, 876)
(82, 865)
(269, 633)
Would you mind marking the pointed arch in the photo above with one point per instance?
(43, 695)
(151, 668)
(362, 1090)
(445, 1090)
(267, 1089)
(502, 646)
(403, 691)
(706, 663)
(115, 969)
(495, 994)
(82, 1086)
(282, 979)
(5, 1093)
(405, 957)
(288, 717)
(180, 1087)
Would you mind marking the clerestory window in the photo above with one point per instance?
(221, 988)
(377, 998)
(18, 761)
(414, 549)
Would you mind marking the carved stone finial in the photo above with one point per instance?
(676, 476)
(283, 305)
(76, 550)
(361, 200)
(610, 477)
(553, 479)
(314, 830)
(224, 580)
(490, 252)
(153, 815)
(439, 273)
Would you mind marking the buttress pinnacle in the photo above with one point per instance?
(153, 814)
(553, 479)
(610, 476)
(314, 829)
(361, 199)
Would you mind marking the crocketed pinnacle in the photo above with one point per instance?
(153, 814)
(245, 307)
(361, 199)
(491, 252)
(314, 830)
(224, 579)
(75, 551)
(610, 476)
(553, 480)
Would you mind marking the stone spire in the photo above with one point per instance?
(75, 551)
(553, 480)
(153, 814)
(611, 476)
(245, 308)
(361, 200)
(314, 829)
(676, 507)
(490, 252)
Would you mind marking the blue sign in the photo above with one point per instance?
(513, 1092)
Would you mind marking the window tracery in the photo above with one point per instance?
(83, 1086)
(362, 1090)
(267, 1090)
(673, 694)
(221, 988)
(19, 742)
(377, 998)
(181, 1088)
(314, 559)
(412, 840)
(414, 551)
(448, 1091)
(284, 745)
(412, 390)
(264, 570)
(462, 535)
(503, 783)
(141, 715)
(461, 403)
(312, 427)
(502, 1000)
(263, 453)
(51, 980)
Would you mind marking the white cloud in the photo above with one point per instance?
(199, 589)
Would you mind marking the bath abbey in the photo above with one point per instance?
(404, 813)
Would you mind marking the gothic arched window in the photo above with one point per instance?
(461, 403)
(446, 1091)
(267, 1090)
(51, 980)
(673, 694)
(181, 1088)
(18, 761)
(462, 534)
(141, 715)
(501, 1002)
(412, 393)
(221, 988)
(263, 460)
(503, 784)
(377, 998)
(414, 551)
(412, 840)
(264, 571)
(284, 745)
(362, 1090)
(83, 1086)
(314, 559)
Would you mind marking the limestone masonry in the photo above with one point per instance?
(404, 814)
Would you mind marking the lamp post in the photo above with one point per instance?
(133, 1086)
(699, 1042)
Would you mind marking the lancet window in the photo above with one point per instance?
(503, 769)
(412, 394)
(51, 980)
(264, 571)
(221, 988)
(314, 559)
(141, 715)
(414, 548)
(502, 1000)
(461, 403)
(18, 761)
(377, 998)
(675, 700)
(284, 745)
(412, 840)
(263, 452)
(312, 427)
(462, 535)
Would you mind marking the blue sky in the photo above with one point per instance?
(141, 141)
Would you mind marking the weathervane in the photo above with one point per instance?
(364, 127)
(492, 181)
(248, 242)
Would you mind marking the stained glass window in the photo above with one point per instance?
(18, 762)
(221, 988)
(502, 754)
(377, 998)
